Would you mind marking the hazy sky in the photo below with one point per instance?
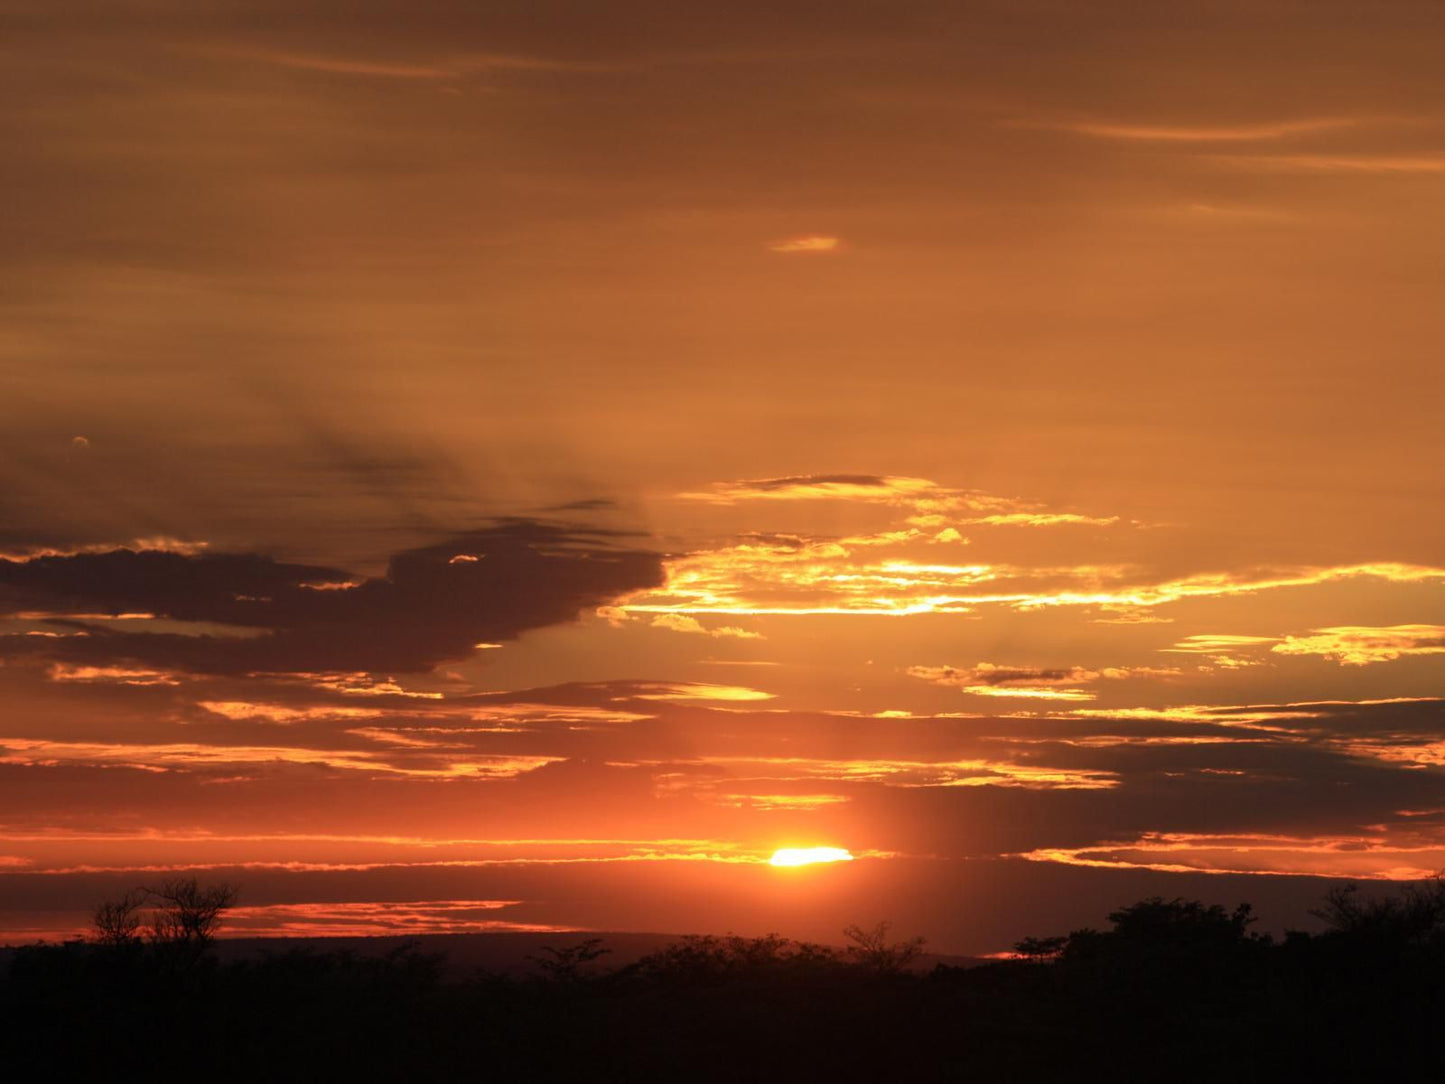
(522, 463)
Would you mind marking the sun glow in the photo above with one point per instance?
(807, 856)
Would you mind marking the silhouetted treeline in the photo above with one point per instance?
(1173, 990)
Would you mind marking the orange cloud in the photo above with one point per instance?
(153, 544)
(1041, 519)
(377, 919)
(989, 679)
(908, 774)
(1240, 133)
(1361, 645)
(814, 243)
(276, 713)
(1209, 643)
(119, 675)
(1340, 163)
(683, 623)
(795, 575)
(1029, 692)
(805, 487)
(180, 756)
(697, 690)
(1360, 857)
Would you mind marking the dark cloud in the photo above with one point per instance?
(433, 603)
(768, 485)
(594, 504)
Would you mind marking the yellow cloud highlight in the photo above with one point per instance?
(159, 851)
(377, 919)
(794, 575)
(808, 856)
(357, 683)
(774, 802)
(1210, 643)
(181, 756)
(812, 244)
(117, 675)
(990, 679)
(888, 489)
(683, 623)
(276, 713)
(697, 691)
(1259, 716)
(1362, 645)
(1358, 857)
(1041, 519)
(908, 774)
(1028, 693)
(156, 543)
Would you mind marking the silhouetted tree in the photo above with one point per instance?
(1415, 915)
(1181, 922)
(1040, 949)
(566, 964)
(872, 949)
(187, 913)
(117, 921)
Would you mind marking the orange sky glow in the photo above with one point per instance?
(531, 467)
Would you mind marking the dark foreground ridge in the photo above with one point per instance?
(1174, 990)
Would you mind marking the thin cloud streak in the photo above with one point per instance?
(1166, 133)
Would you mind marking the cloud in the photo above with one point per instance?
(803, 487)
(795, 574)
(813, 244)
(1361, 645)
(695, 690)
(428, 607)
(377, 919)
(987, 673)
(451, 67)
(154, 544)
(1339, 163)
(1210, 643)
(1363, 856)
(1178, 133)
(1029, 682)
(1040, 519)
(683, 623)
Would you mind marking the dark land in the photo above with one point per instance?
(1171, 990)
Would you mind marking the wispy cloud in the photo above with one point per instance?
(814, 244)
(881, 488)
(1361, 645)
(684, 623)
(1202, 133)
(789, 574)
(1358, 856)
(1338, 163)
(1028, 682)
(449, 67)
(378, 919)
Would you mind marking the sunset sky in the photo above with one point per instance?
(488, 465)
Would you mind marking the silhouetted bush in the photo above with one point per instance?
(1173, 989)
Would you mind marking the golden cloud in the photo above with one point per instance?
(1361, 645)
(815, 243)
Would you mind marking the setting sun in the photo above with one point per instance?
(807, 856)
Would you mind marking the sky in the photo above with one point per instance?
(518, 465)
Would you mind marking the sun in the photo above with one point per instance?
(807, 856)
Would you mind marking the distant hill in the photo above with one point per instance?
(504, 953)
